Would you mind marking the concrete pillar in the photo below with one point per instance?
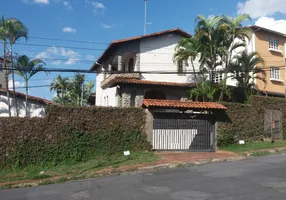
(149, 126)
(139, 98)
(118, 98)
(126, 99)
(120, 67)
(137, 62)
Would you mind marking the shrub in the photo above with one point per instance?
(70, 135)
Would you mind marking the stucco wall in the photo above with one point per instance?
(105, 97)
(157, 55)
(271, 59)
(35, 109)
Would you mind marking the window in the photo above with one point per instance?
(217, 77)
(180, 66)
(273, 43)
(274, 73)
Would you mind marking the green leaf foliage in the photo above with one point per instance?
(246, 121)
(71, 135)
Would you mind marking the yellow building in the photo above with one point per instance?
(271, 47)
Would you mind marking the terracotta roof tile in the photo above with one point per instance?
(182, 104)
(45, 101)
(117, 81)
(115, 42)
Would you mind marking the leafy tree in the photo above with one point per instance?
(73, 91)
(61, 86)
(245, 69)
(26, 68)
(205, 91)
(187, 49)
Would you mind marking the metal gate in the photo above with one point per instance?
(180, 131)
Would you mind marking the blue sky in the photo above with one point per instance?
(101, 21)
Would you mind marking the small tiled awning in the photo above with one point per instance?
(156, 103)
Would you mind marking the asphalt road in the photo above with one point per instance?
(262, 178)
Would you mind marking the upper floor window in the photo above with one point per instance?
(274, 73)
(181, 68)
(273, 43)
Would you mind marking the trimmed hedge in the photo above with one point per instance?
(71, 134)
(246, 121)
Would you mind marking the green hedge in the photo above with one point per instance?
(246, 121)
(71, 134)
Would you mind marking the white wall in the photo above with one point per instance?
(2, 77)
(157, 55)
(35, 109)
(104, 97)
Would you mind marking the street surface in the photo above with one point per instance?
(262, 178)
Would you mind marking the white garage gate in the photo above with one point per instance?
(178, 131)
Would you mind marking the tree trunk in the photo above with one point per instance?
(26, 98)
(6, 79)
(194, 70)
(13, 80)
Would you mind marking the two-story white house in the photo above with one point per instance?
(142, 67)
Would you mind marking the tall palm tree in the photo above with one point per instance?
(245, 69)
(26, 68)
(72, 91)
(3, 27)
(13, 32)
(61, 86)
(186, 50)
(209, 32)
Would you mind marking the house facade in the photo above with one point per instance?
(271, 47)
(143, 67)
(36, 105)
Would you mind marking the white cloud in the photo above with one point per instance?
(98, 7)
(271, 23)
(52, 52)
(69, 30)
(67, 5)
(259, 8)
(90, 57)
(17, 84)
(108, 26)
(36, 1)
(42, 1)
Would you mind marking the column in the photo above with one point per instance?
(137, 62)
(120, 63)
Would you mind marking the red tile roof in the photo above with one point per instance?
(182, 104)
(117, 81)
(116, 42)
(19, 94)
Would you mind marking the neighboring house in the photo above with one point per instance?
(36, 105)
(141, 65)
(2, 74)
(271, 46)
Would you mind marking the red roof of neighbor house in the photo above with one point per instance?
(182, 104)
(147, 82)
(116, 42)
(2, 60)
(19, 94)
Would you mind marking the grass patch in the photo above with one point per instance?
(74, 170)
(261, 153)
(240, 148)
